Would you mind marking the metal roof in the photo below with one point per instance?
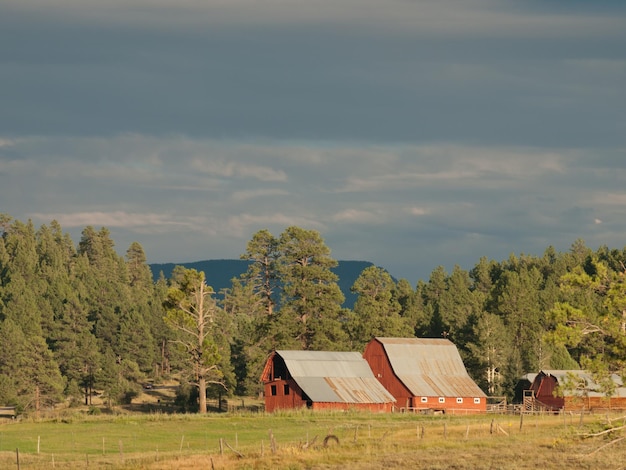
(592, 388)
(530, 377)
(430, 367)
(335, 377)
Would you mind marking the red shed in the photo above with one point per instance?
(570, 390)
(425, 374)
(322, 380)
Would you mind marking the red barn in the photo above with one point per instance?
(322, 380)
(570, 390)
(424, 374)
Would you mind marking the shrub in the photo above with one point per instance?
(187, 398)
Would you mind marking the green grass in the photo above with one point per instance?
(365, 441)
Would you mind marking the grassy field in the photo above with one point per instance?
(294, 440)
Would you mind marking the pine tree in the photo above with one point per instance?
(192, 312)
(103, 273)
(519, 304)
(432, 293)
(252, 339)
(262, 276)
(75, 349)
(592, 322)
(376, 310)
(252, 303)
(22, 286)
(56, 258)
(310, 309)
(135, 340)
(456, 306)
(490, 349)
(28, 368)
(411, 307)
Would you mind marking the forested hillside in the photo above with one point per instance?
(75, 319)
(220, 272)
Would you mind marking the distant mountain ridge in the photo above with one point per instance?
(220, 272)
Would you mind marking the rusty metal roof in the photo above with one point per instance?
(430, 367)
(335, 377)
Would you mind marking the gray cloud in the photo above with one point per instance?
(411, 134)
(438, 203)
(460, 70)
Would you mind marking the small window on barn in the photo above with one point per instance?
(273, 390)
(286, 389)
(459, 400)
(476, 401)
(442, 399)
(424, 400)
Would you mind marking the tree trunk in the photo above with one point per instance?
(202, 394)
(163, 357)
(37, 401)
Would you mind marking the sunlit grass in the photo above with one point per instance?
(155, 441)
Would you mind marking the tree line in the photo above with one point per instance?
(80, 319)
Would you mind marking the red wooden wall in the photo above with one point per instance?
(377, 358)
(284, 393)
(546, 385)
(281, 400)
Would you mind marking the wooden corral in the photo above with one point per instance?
(425, 375)
(321, 380)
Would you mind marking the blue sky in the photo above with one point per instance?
(408, 133)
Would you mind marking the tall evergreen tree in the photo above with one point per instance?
(592, 322)
(28, 368)
(22, 286)
(253, 302)
(311, 302)
(75, 349)
(482, 276)
(103, 273)
(411, 307)
(432, 293)
(56, 258)
(262, 275)
(490, 348)
(135, 340)
(519, 304)
(456, 306)
(254, 335)
(160, 330)
(377, 310)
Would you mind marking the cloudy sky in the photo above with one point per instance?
(409, 133)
